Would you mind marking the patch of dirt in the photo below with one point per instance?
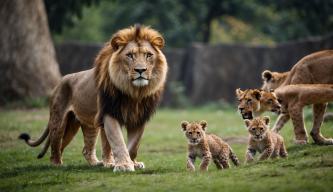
(236, 140)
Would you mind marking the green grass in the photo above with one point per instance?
(163, 149)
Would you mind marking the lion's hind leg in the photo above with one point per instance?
(217, 163)
(72, 128)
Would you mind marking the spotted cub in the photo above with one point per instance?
(261, 139)
(207, 147)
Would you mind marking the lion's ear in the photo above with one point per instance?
(256, 94)
(158, 42)
(116, 42)
(203, 124)
(267, 75)
(239, 92)
(184, 125)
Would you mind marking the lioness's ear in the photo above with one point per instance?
(266, 120)
(158, 42)
(203, 124)
(247, 122)
(266, 75)
(256, 94)
(239, 92)
(184, 125)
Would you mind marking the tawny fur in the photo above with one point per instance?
(316, 68)
(82, 99)
(207, 147)
(264, 141)
(254, 102)
(293, 98)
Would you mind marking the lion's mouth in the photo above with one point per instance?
(140, 78)
(140, 81)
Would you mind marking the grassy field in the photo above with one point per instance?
(163, 149)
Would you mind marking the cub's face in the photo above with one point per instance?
(258, 127)
(194, 132)
(139, 61)
(249, 101)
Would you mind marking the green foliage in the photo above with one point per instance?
(163, 149)
(28, 103)
(62, 12)
(183, 21)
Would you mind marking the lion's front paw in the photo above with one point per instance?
(324, 141)
(301, 142)
(108, 165)
(126, 167)
(139, 165)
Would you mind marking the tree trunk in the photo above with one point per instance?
(28, 66)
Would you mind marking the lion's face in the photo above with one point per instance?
(194, 132)
(138, 61)
(258, 127)
(249, 101)
(133, 61)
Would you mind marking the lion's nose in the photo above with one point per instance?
(140, 70)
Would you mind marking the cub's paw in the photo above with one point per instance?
(108, 165)
(126, 167)
(301, 142)
(139, 165)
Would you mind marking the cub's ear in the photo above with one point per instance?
(184, 125)
(247, 123)
(267, 75)
(203, 124)
(256, 94)
(239, 92)
(266, 120)
(158, 42)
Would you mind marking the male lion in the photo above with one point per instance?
(123, 89)
(316, 68)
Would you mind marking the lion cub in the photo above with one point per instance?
(261, 139)
(206, 147)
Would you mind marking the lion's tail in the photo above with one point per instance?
(32, 143)
(233, 157)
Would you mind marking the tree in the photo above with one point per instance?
(28, 67)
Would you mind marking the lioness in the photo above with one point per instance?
(316, 68)
(294, 97)
(254, 102)
(123, 89)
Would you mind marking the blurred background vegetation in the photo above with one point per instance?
(184, 21)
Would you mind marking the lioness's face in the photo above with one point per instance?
(258, 127)
(272, 80)
(269, 102)
(139, 60)
(194, 132)
(249, 101)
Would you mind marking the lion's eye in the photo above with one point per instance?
(198, 133)
(249, 101)
(253, 129)
(261, 128)
(270, 101)
(149, 55)
(130, 55)
(190, 133)
(280, 101)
